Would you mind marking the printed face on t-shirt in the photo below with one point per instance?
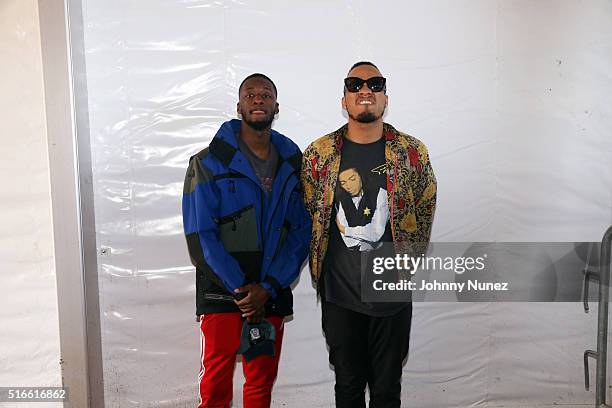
(350, 181)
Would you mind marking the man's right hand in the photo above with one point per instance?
(257, 296)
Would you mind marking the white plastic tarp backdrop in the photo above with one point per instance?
(513, 99)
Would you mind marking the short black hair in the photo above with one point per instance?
(360, 63)
(258, 75)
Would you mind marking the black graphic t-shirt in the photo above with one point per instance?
(358, 227)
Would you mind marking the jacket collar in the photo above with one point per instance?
(391, 135)
(224, 145)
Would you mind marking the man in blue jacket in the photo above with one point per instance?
(248, 234)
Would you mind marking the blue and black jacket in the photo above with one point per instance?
(236, 232)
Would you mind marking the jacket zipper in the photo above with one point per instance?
(281, 191)
(216, 296)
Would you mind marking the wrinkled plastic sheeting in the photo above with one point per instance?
(29, 335)
(512, 99)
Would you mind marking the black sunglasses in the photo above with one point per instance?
(354, 84)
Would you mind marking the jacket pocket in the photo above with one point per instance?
(238, 230)
(283, 236)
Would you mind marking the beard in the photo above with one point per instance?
(260, 124)
(365, 117)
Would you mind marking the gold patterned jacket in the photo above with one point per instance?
(411, 191)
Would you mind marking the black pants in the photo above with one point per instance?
(366, 350)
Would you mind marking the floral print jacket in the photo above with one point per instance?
(411, 187)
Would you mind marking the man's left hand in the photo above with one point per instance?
(256, 298)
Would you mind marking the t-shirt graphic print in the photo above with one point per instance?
(359, 227)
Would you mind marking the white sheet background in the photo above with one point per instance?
(513, 99)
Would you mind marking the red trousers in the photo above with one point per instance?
(220, 339)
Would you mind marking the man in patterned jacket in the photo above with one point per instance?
(365, 184)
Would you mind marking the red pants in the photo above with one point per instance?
(220, 339)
